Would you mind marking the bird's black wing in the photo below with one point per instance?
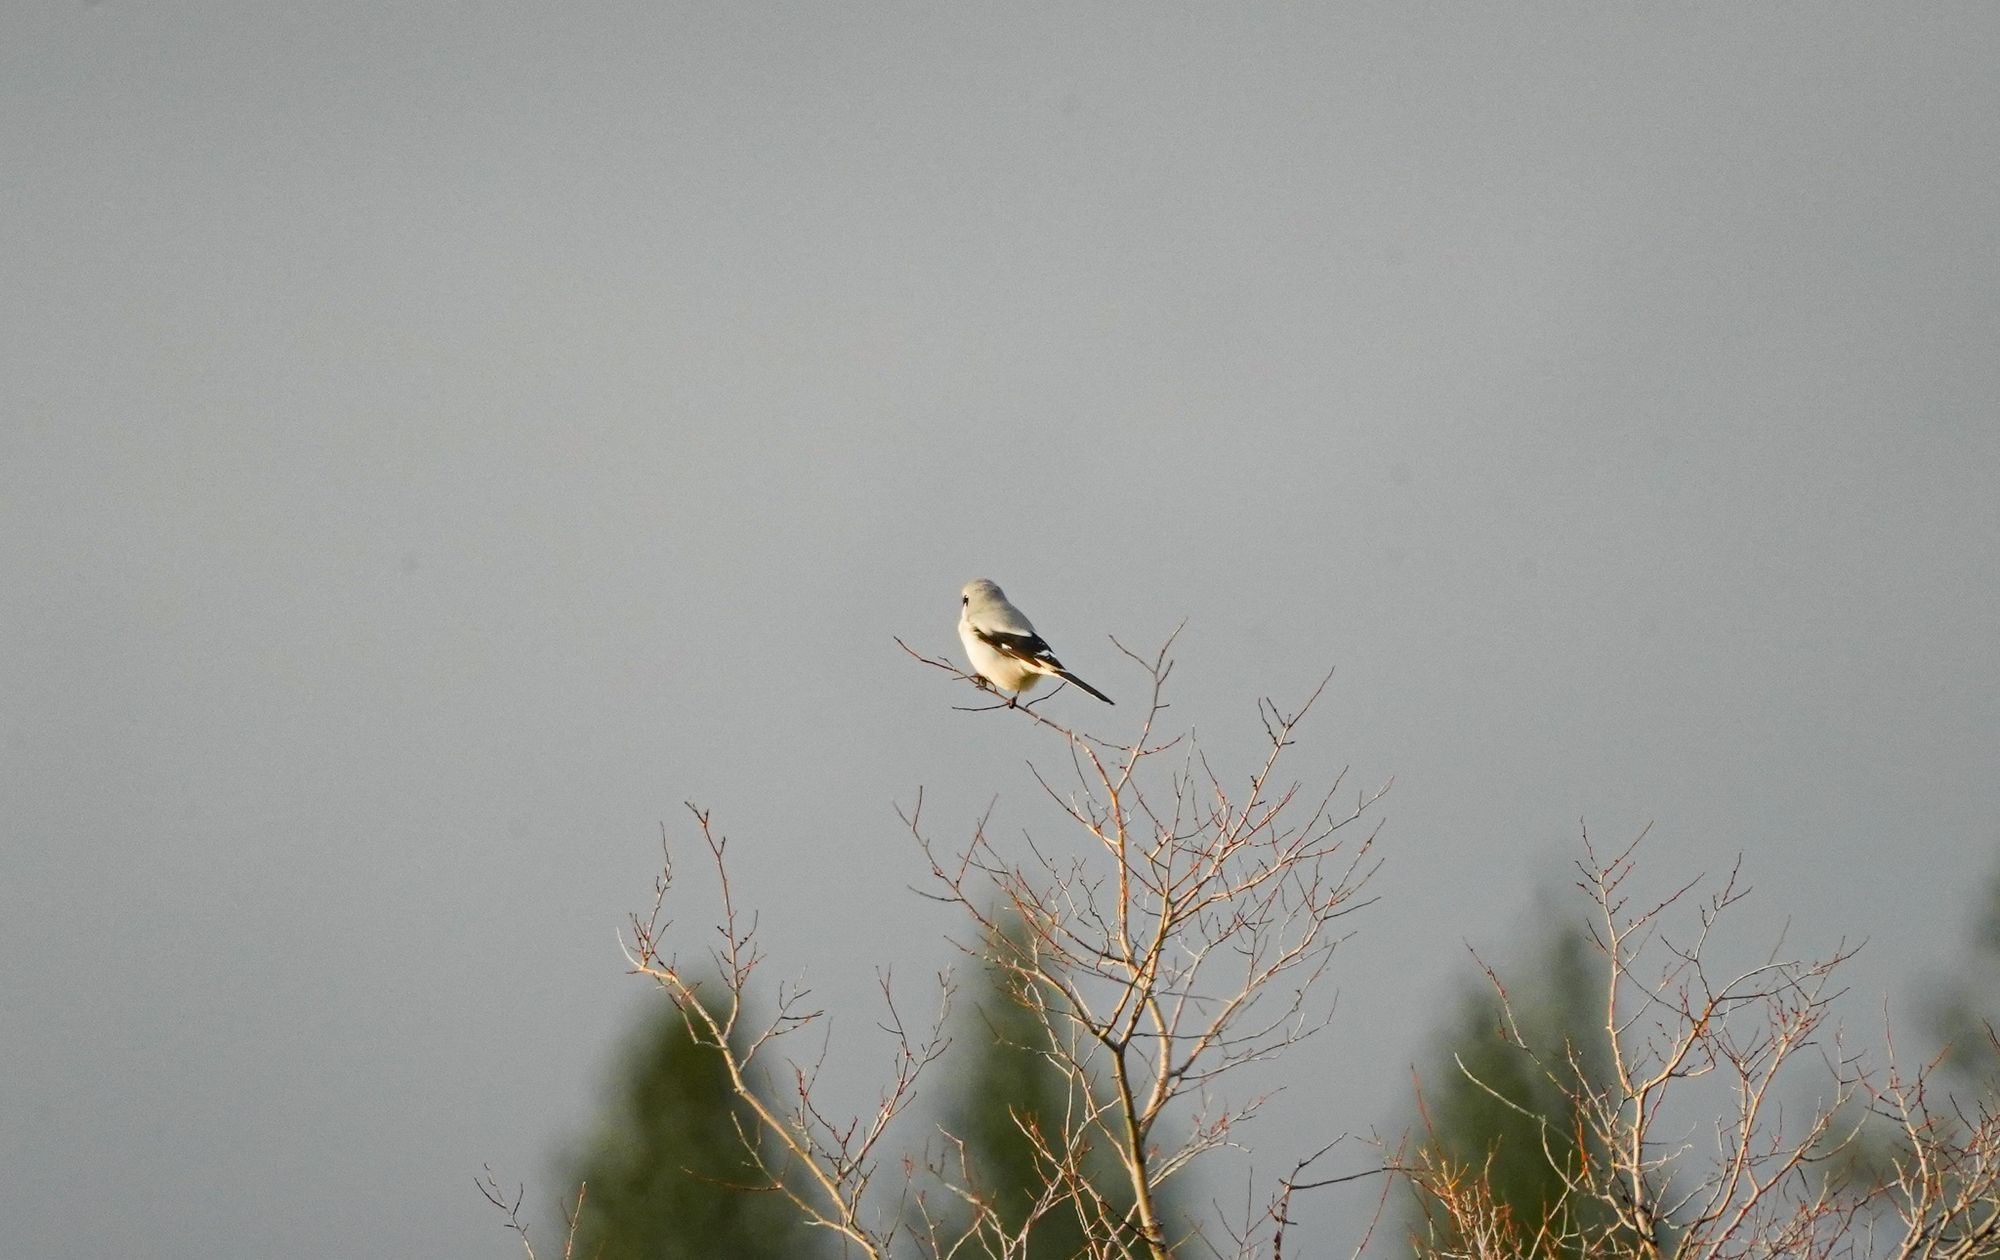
(1026, 648)
(1030, 650)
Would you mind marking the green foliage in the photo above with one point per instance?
(1489, 1069)
(667, 1173)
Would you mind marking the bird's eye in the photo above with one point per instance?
(964, 599)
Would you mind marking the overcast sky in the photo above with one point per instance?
(437, 440)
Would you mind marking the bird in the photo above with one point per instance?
(1002, 645)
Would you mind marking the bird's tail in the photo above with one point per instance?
(1066, 676)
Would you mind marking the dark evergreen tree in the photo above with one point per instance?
(667, 1173)
(1500, 1095)
(1965, 1017)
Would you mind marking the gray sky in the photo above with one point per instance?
(437, 440)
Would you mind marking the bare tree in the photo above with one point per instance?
(1175, 934)
(824, 1165)
(1756, 1177)
(1942, 1188)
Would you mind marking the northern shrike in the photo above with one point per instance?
(1002, 644)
